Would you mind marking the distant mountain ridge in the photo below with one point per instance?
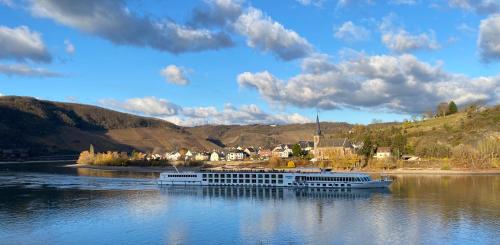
(50, 128)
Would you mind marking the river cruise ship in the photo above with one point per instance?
(273, 178)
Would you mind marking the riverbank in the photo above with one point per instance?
(134, 168)
(38, 161)
(394, 171)
(437, 171)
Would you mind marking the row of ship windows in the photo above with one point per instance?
(182, 175)
(318, 184)
(260, 176)
(334, 179)
(247, 181)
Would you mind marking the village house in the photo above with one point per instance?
(214, 156)
(201, 156)
(173, 156)
(235, 156)
(282, 151)
(383, 152)
(250, 151)
(306, 146)
(330, 148)
(188, 155)
(265, 153)
(153, 157)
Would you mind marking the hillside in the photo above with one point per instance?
(461, 128)
(47, 127)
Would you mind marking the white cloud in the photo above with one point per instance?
(267, 35)
(112, 20)
(216, 13)
(149, 106)
(22, 44)
(397, 39)
(69, 47)
(22, 70)
(479, 6)
(489, 38)
(317, 3)
(261, 31)
(351, 32)
(396, 83)
(191, 116)
(403, 42)
(465, 28)
(245, 114)
(174, 74)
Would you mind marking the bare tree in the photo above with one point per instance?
(442, 109)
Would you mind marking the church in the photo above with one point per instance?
(331, 148)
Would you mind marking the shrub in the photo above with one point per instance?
(445, 164)
(275, 162)
(429, 150)
(85, 158)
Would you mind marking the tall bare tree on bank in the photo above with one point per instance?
(442, 109)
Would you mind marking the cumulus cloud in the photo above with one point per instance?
(261, 32)
(245, 114)
(395, 83)
(149, 106)
(479, 6)
(351, 32)
(267, 35)
(112, 20)
(191, 116)
(22, 44)
(174, 74)
(404, 42)
(489, 38)
(216, 13)
(397, 39)
(69, 47)
(22, 70)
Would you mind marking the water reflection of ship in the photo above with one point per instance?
(231, 192)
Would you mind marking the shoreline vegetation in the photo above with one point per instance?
(425, 171)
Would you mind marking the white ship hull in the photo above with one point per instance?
(347, 180)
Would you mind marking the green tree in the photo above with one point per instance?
(452, 107)
(398, 144)
(367, 149)
(296, 150)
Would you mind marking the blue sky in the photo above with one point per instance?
(244, 62)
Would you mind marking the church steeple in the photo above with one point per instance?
(318, 128)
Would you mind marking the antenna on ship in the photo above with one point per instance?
(175, 168)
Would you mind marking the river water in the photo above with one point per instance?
(53, 204)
